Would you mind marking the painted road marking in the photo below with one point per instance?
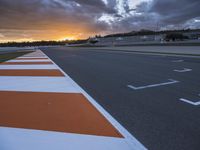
(30, 60)
(37, 84)
(25, 63)
(178, 60)
(20, 138)
(171, 81)
(183, 70)
(27, 67)
(26, 57)
(190, 102)
(30, 72)
(26, 139)
(34, 55)
(129, 138)
(73, 109)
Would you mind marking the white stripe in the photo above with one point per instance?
(34, 54)
(129, 138)
(37, 84)
(64, 84)
(32, 57)
(171, 81)
(26, 139)
(9, 67)
(190, 102)
(33, 60)
(183, 70)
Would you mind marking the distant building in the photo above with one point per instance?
(154, 37)
(194, 35)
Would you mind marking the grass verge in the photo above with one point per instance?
(7, 56)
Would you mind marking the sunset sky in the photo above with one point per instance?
(29, 20)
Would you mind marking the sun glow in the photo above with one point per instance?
(69, 38)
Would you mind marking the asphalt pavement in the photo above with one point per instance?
(181, 50)
(155, 97)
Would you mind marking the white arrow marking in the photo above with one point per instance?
(171, 81)
(183, 70)
(190, 102)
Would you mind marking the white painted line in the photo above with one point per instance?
(171, 81)
(27, 139)
(177, 60)
(190, 102)
(35, 53)
(27, 67)
(183, 70)
(128, 137)
(37, 84)
(32, 57)
(33, 60)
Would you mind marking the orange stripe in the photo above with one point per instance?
(24, 63)
(62, 112)
(30, 73)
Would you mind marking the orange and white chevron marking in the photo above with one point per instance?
(42, 108)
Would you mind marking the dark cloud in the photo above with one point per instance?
(34, 14)
(42, 19)
(24, 18)
(176, 12)
(164, 14)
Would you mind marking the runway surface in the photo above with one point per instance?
(155, 97)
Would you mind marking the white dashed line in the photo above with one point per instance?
(171, 81)
(190, 102)
(183, 70)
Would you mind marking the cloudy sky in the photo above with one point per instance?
(22, 20)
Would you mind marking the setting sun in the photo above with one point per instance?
(69, 38)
